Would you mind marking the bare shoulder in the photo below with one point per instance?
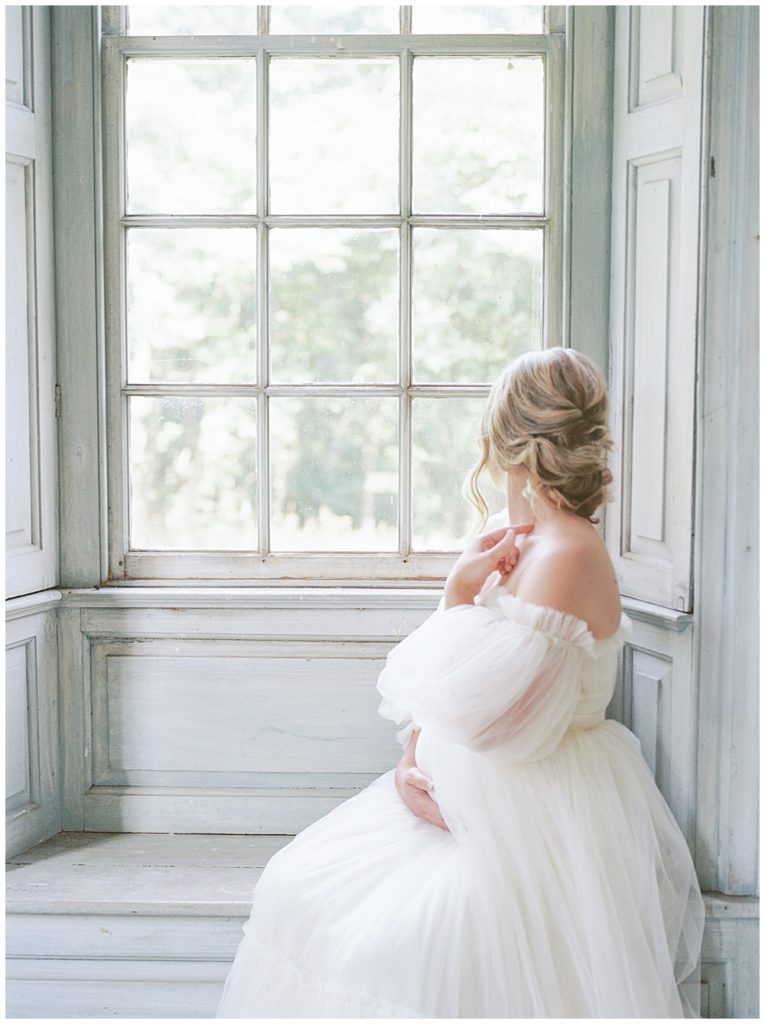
(573, 573)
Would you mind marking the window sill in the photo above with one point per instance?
(139, 594)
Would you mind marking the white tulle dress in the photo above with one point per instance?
(564, 886)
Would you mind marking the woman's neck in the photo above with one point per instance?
(550, 519)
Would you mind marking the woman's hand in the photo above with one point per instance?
(484, 554)
(414, 787)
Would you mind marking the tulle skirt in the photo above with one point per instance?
(564, 888)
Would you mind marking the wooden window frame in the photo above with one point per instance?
(405, 568)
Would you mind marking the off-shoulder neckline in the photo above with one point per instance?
(501, 591)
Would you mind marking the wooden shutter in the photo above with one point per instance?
(659, 53)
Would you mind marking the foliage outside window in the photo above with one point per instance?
(327, 230)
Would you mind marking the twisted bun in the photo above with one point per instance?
(548, 413)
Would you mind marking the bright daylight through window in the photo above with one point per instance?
(327, 230)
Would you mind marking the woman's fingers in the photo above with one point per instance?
(421, 802)
(419, 779)
(500, 541)
(430, 811)
(504, 554)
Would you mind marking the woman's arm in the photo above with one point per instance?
(414, 786)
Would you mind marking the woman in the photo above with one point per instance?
(520, 860)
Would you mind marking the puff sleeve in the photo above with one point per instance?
(507, 674)
(395, 703)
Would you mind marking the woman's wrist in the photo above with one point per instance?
(455, 594)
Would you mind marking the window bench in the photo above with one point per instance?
(103, 924)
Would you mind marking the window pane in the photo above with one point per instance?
(334, 474)
(191, 304)
(506, 18)
(193, 473)
(334, 305)
(476, 301)
(286, 18)
(478, 135)
(444, 448)
(334, 135)
(191, 20)
(191, 136)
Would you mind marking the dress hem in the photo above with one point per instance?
(327, 998)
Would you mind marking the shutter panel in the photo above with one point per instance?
(659, 57)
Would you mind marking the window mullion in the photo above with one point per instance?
(555, 321)
(117, 467)
(262, 376)
(405, 304)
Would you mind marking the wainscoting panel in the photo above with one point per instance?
(32, 797)
(248, 719)
(654, 698)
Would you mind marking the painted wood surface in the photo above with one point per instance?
(76, 148)
(217, 711)
(32, 762)
(727, 539)
(659, 64)
(591, 61)
(31, 541)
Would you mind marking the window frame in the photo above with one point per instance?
(405, 568)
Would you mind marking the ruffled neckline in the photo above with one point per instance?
(553, 621)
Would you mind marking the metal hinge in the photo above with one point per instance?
(57, 400)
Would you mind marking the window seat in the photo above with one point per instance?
(102, 924)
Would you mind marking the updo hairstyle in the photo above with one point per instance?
(548, 413)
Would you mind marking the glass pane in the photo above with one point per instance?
(476, 301)
(478, 135)
(286, 18)
(185, 20)
(193, 473)
(507, 18)
(334, 474)
(445, 446)
(334, 305)
(334, 135)
(191, 304)
(191, 136)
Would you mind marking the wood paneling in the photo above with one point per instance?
(33, 800)
(22, 762)
(201, 733)
(659, 63)
(31, 459)
(727, 523)
(656, 51)
(653, 699)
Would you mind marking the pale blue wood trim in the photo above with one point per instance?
(588, 269)
(80, 355)
(726, 523)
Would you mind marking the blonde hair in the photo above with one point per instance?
(548, 413)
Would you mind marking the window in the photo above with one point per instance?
(326, 231)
